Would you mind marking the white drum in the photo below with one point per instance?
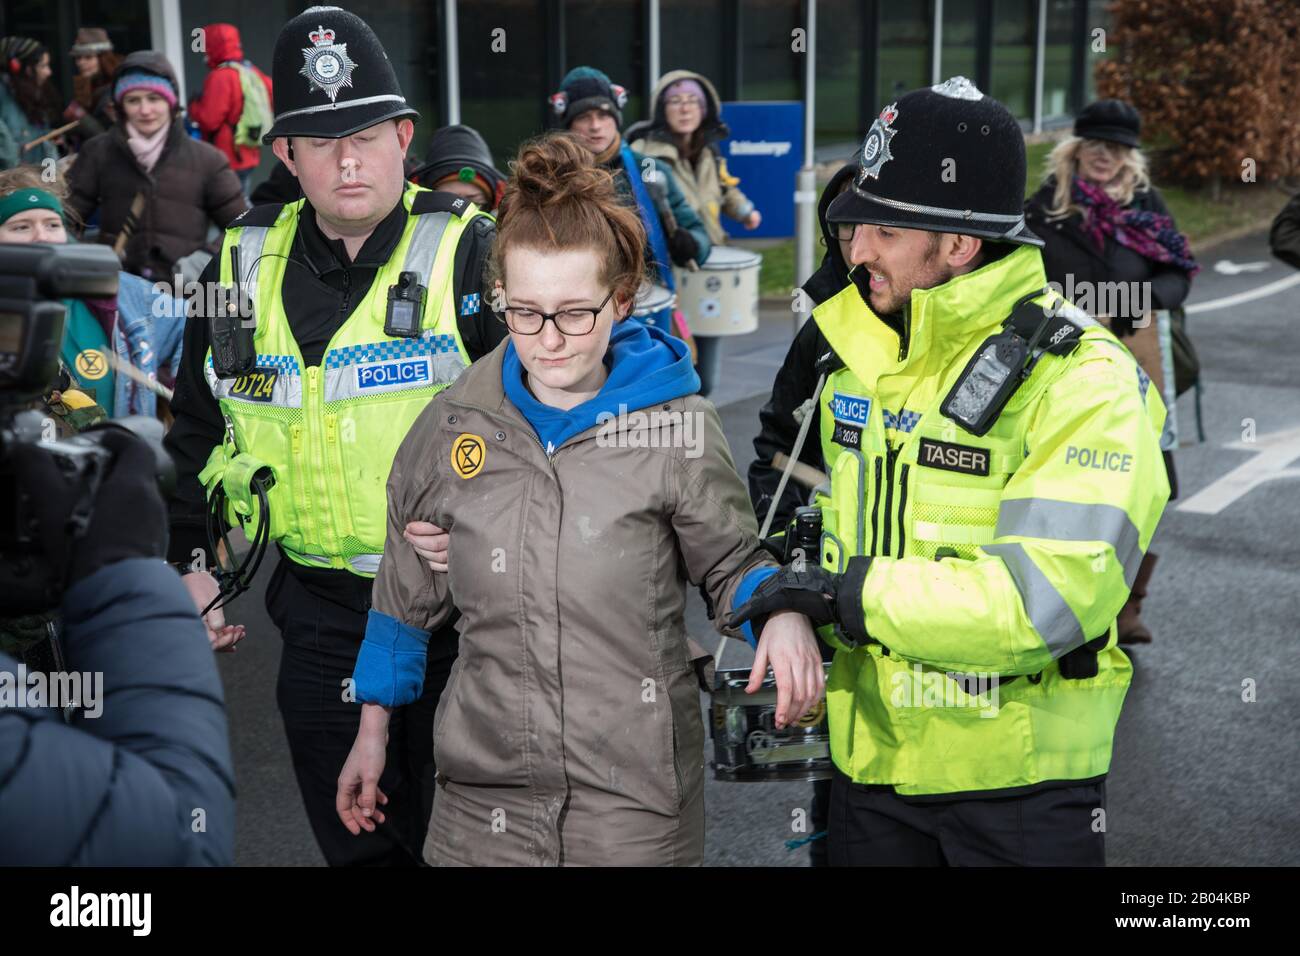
(722, 297)
(651, 300)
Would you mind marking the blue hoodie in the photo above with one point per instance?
(646, 366)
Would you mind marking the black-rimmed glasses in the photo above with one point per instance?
(570, 321)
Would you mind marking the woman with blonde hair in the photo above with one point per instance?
(583, 484)
(1102, 222)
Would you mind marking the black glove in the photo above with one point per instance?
(128, 517)
(812, 591)
(682, 247)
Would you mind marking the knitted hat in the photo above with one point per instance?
(142, 80)
(460, 152)
(687, 88)
(17, 52)
(91, 41)
(586, 88)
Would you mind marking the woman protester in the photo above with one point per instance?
(29, 103)
(583, 483)
(683, 130)
(92, 86)
(1104, 224)
(138, 327)
(156, 189)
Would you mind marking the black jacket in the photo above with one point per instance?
(796, 381)
(123, 787)
(1284, 236)
(319, 293)
(1069, 252)
(189, 186)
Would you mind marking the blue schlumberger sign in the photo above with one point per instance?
(765, 151)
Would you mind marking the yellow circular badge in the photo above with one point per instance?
(467, 454)
(91, 364)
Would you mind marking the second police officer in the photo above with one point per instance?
(996, 477)
(367, 301)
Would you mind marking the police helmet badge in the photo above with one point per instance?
(326, 64)
(875, 148)
(958, 88)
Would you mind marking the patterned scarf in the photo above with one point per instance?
(1152, 235)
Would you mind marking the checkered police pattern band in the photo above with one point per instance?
(469, 304)
(428, 343)
(284, 364)
(904, 421)
(1143, 381)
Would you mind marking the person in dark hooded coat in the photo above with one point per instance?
(458, 161)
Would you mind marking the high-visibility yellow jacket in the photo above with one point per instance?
(330, 432)
(987, 557)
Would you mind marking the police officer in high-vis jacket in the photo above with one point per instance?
(366, 301)
(995, 480)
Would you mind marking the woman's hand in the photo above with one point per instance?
(789, 646)
(203, 588)
(359, 798)
(430, 543)
(753, 220)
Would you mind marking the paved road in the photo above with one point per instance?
(1200, 776)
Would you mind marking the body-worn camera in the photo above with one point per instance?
(32, 280)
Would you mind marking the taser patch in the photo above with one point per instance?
(851, 413)
(963, 459)
(467, 455)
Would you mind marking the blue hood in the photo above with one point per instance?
(646, 366)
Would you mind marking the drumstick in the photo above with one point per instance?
(805, 474)
(51, 134)
(130, 371)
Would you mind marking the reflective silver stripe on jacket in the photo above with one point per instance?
(1050, 518)
(1048, 610)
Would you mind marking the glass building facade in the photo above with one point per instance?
(1037, 56)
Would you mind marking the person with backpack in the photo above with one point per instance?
(235, 107)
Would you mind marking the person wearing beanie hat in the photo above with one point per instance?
(995, 478)
(156, 190)
(457, 160)
(368, 300)
(29, 103)
(92, 100)
(1105, 226)
(590, 106)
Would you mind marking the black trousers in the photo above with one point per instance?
(321, 641)
(873, 826)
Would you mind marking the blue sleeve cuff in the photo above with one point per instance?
(748, 585)
(390, 667)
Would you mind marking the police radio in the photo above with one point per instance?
(233, 353)
(405, 306)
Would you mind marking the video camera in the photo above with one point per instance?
(33, 277)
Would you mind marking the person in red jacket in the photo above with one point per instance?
(217, 110)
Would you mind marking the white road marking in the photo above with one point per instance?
(1265, 290)
(1227, 267)
(1273, 453)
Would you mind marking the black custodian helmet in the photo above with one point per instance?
(332, 77)
(945, 158)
